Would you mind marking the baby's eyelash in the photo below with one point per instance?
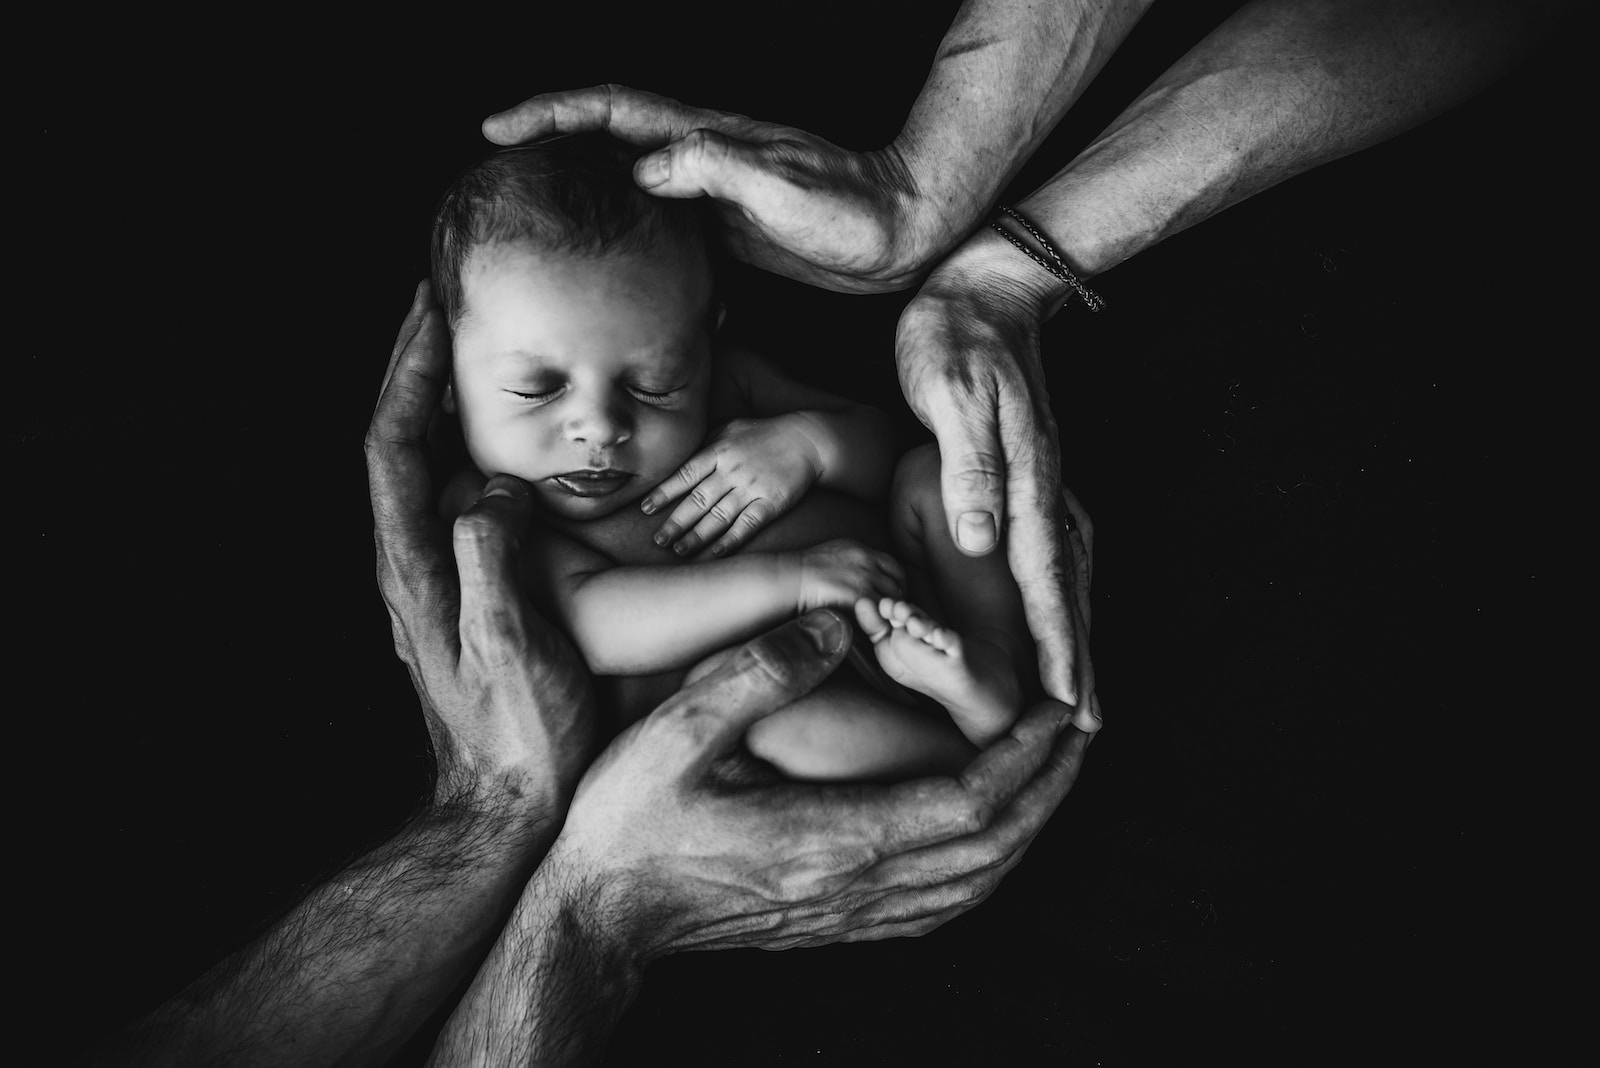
(539, 396)
(653, 395)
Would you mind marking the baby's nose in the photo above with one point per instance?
(602, 424)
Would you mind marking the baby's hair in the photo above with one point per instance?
(570, 194)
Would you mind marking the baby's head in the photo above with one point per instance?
(581, 312)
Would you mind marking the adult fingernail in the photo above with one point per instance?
(653, 169)
(648, 506)
(826, 631)
(975, 531)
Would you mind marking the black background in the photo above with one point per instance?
(1322, 436)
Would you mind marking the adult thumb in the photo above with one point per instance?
(704, 163)
(705, 719)
(486, 539)
(972, 480)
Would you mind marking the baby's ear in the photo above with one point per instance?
(448, 401)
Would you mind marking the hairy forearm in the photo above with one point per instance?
(640, 620)
(553, 987)
(855, 449)
(1004, 75)
(1281, 87)
(351, 971)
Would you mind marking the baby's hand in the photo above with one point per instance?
(836, 573)
(745, 477)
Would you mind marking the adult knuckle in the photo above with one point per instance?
(764, 658)
(689, 720)
(474, 531)
(702, 146)
(974, 814)
(980, 474)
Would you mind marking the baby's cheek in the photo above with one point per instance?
(670, 440)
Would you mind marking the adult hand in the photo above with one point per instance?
(790, 202)
(967, 351)
(507, 701)
(672, 844)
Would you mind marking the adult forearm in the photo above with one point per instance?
(640, 620)
(1004, 75)
(353, 969)
(1281, 87)
(553, 987)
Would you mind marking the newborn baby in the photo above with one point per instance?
(583, 314)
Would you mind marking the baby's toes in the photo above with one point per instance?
(919, 626)
(900, 612)
(945, 640)
(872, 617)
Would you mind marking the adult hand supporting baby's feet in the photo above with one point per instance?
(675, 842)
(967, 351)
(507, 701)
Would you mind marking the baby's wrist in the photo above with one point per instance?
(815, 441)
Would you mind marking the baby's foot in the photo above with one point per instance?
(973, 679)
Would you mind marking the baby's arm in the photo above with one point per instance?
(637, 620)
(855, 442)
(791, 436)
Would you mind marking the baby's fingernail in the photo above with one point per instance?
(653, 169)
(975, 531)
(826, 631)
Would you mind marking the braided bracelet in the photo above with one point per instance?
(1055, 264)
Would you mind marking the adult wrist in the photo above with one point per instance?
(988, 263)
(932, 212)
(555, 984)
(596, 912)
(517, 804)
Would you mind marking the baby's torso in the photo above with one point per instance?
(626, 539)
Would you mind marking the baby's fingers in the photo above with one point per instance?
(691, 510)
(757, 514)
(718, 518)
(696, 468)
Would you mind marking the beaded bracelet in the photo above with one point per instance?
(1055, 264)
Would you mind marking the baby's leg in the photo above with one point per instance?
(844, 731)
(979, 667)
